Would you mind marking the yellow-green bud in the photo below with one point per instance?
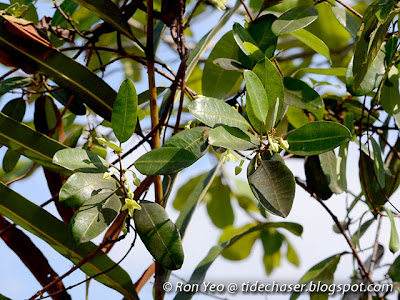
(238, 169)
(283, 144)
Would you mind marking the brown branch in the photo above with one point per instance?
(145, 277)
(350, 9)
(32, 258)
(247, 10)
(342, 231)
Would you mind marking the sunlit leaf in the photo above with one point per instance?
(295, 19)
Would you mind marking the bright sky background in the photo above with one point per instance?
(317, 243)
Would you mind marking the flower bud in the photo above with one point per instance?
(238, 169)
(283, 144)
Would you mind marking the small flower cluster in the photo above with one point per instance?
(276, 144)
(228, 156)
(221, 4)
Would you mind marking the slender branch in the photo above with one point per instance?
(145, 277)
(341, 229)
(153, 92)
(350, 9)
(247, 10)
(376, 244)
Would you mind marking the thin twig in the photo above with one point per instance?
(247, 10)
(350, 9)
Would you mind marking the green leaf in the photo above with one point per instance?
(94, 216)
(394, 244)
(346, 20)
(390, 96)
(212, 111)
(385, 7)
(257, 97)
(254, 52)
(272, 183)
(165, 160)
(193, 192)
(15, 109)
(76, 105)
(68, 7)
(329, 164)
(54, 232)
(10, 84)
(368, 181)
(145, 96)
(292, 256)
(10, 160)
(124, 115)
(313, 42)
(343, 152)
(379, 166)
(219, 206)
(260, 31)
(242, 248)
(67, 73)
(229, 64)
(300, 94)
(205, 42)
(80, 160)
(110, 13)
(372, 78)
(193, 140)
(217, 82)
(82, 186)
(202, 268)
(340, 72)
(233, 138)
(316, 180)
(362, 228)
(317, 137)
(159, 234)
(273, 85)
(295, 19)
(323, 272)
(30, 143)
(393, 272)
(241, 36)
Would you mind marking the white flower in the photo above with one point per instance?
(221, 4)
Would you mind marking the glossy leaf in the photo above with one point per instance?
(323, 271)
(272, 183)
(9, 84)
(94, 216)
(295, 19)
(124, 115)
(313, 42)
(219, 206)
(301, 95)
(233, 138)
(212, 111)
(61, 69)
(260, 31)
(165, 160)
(241, 36)
(80, 160)
(257, 97)
(316, 179)
(329, 167)
(159, 234)
(193, 140)
(193, 192)
(110, 13)
(80, 187)
(229, 64)
(68, 7)
(54, 232)
(10, 160)
(346, 20)
(371, 79)
(340, 72)
(76, 105)
(292, 256)
(317, 137)
(15, 109)
(242, 248)
(390, 96)
(393, 272)
(28, 142)
(217, 82)
(379, 166)
(273, 85)
(394, 244)
(199, 273)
